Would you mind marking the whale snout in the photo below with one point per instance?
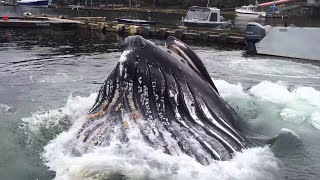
(134, 42)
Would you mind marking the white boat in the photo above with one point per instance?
(250, 10)
(205, 17)
(33, 3)
(293, 42)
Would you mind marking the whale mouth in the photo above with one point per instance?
(192, 58)
(169, 96)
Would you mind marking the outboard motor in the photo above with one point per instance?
(253, 34)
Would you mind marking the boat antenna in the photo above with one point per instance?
(208, 3)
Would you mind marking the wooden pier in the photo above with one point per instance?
(162, 32)
(100, 24)
(37, 22)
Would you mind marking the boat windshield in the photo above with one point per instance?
(190, 14)
(249, 8)
(204, 15)
(198, 14)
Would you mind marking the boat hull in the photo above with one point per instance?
(293, 42)
(217, 25)
(43, 3)
(250, 14)
(136, 22)
(24, 24)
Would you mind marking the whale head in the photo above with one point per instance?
(168, 94)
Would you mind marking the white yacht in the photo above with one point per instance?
(205, 17)
(250, 10)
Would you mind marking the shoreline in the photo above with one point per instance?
(133, 9)
(145, 10)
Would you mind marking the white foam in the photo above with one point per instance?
(272, 92)
(75, 108)
(268, 101)
(315, 120)
(227, 90)
(5, 108)
(136, 160)
(72, 159)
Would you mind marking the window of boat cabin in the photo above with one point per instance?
(204, 15)
(190, 14)
(214, 17)
(197, 14)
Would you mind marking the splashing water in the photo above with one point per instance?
(273, 103)
(46, 125)
(70, 158)
(266, 103)
(4, 108)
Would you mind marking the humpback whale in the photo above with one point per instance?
(167, 93)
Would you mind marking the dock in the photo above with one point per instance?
(162, 32)
(37, 22)
(224, 37)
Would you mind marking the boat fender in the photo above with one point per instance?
(146, 32)
(179, 34)
(133, 30)
(93, 26)
(223, 38)
(100, 26)
(120, 28)
(163, 33)
(203, 37)
(5, 17)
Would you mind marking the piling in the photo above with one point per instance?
(146, 32)
(179, 34)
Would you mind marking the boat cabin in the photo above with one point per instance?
(205, 17)
(250, 8)
(203, 14)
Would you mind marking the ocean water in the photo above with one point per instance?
(49, 80)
